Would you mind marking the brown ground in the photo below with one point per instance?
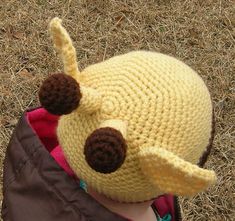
(199, 32)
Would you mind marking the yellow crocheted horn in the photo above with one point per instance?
(119, 125)
(91, 99)
(64, 46)
(171, 174)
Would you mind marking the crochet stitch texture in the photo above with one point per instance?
(161, 107)
(62, 99)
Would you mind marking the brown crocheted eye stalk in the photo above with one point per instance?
(207, 152)
(105, 150)
(60, 94)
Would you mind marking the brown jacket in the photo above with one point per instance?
(35, 188)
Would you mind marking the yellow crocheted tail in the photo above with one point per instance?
(172, 174)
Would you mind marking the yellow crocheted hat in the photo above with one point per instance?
(132, 127)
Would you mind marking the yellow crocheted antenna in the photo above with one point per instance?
(64, 46)
(91, 99)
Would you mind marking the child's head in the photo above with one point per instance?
(132, 127)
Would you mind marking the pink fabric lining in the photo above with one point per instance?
(44, 124)
(163, 203)
(58, 155)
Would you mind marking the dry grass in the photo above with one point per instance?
(199, 32)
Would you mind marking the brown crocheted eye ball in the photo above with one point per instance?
(105, 150)
(60, 94)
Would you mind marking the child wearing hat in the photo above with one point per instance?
(129, 134)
